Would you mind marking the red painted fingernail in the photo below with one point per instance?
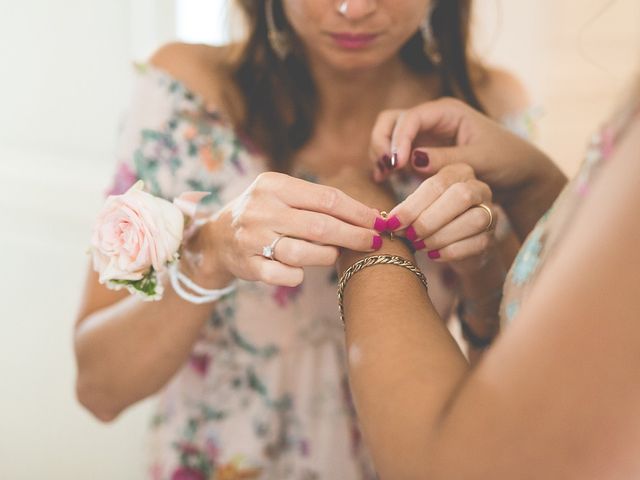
(420, 159)
(386, 161)
(411, 233)
(433, 254)
(380, 225)
(394, 160)
(376, 244)
(419, 245)
(393, 223)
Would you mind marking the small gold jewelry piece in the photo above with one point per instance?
(491, 218)
(369, 262)
(385, 216)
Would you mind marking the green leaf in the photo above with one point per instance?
(147, 286)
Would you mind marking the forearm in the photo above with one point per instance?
(527, 203)
(480, 282)
(478, 309)
(129, 350)
(398, 347)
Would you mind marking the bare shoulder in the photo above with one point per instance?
(203, 69)
(501, 92)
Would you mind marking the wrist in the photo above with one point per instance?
(481, 289)
(477, 271)
(201, 260)
(526, 203)
(479, 332)
(390, 246)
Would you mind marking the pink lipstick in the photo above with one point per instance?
(353, 41)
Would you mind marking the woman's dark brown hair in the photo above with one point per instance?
(280, 96)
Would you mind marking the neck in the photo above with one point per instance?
(346, 97)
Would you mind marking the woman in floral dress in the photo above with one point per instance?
(254, 385)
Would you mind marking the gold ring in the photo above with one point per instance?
(491, 223)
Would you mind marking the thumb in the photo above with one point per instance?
(427, 161)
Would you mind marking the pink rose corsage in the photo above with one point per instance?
(138, 236)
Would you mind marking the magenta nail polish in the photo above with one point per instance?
(419, 245)
(434, 254)
(393, 223)
(380, 225)
(376, 244)
(411, 233)
(420, 159)
(394, 160)
(381, 166)
(386, 161)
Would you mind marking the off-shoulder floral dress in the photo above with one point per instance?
(264, 394)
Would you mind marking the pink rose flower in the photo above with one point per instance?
(134, 232)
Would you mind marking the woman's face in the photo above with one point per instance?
(354, 34)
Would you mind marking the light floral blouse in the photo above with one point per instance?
(543, 239)
(264, 394)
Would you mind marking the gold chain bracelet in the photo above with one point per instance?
(369, 262)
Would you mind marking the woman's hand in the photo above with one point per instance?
(444, 217)
(444, 132)
(448, 131)
(314, 220)
(358, 184)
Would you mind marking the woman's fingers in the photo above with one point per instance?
(298, 253)
(289, 256)
(275, 273)
(304, 195)
(429, 192)
(327, 230)
(455, 201)
(380, 146)
(396, 130)
(430, 160)
(474, 221)
(475, 246)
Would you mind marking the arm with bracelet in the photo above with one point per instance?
(557, 395)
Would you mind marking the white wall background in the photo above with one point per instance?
(64, 81)
(575, 57)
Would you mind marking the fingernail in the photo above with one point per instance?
(394, 160)
(411, 233)
(380, 225)
(420, 159)
(377, 243)
(419, 245)
(433, 254)
(393, 223)
(381, 166)
(386, 161)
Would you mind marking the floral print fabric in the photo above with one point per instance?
(264, 394)
(542, 241)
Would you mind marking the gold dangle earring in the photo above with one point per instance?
(279, 40)
(429, 42)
